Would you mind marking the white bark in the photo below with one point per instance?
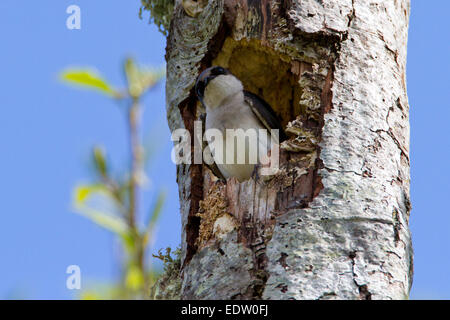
(333, 223)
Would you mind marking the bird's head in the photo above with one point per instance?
(214, 85)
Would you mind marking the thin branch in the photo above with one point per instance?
(133, 118)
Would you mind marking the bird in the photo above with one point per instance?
(229, 106)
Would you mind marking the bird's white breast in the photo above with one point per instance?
(234, 113)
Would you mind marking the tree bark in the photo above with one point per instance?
(333, 222)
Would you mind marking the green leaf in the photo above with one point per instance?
(141, 79)
(100, 161)
(134, 85)
(88, 78)
(83, 192)
(134, 278)
(105, 220)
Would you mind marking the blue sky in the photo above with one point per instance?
(47, 130)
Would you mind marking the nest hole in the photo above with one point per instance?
(264, 72)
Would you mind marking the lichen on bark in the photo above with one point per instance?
(168, 286)
(161, 12)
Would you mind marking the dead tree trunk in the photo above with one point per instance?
(333, 222)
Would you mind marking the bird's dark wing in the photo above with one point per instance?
(213, 166)
(264, 113)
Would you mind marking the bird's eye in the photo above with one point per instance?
(218, 71)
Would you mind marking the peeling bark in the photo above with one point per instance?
(333, 222)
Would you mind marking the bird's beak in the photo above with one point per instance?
(201, 84)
